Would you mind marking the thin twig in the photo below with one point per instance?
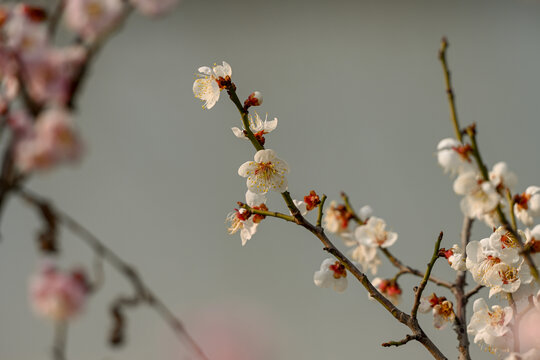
(60, 340)
(424, 281)
(400, 342)
(141, 289)
(449, 90)
(474, 291)
(320, 211)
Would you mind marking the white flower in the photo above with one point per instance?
(336, 219)
(367, 257)
(491, 327)
(533, 241)
(243, 220)
(332, 274)
(374, 233)
(527, 205)
(266, 173)
(480, 198)
(210, 83)
(258, 127)
(481, 259)
(501, 177)
(454, 157)
(507, 278)
(442, 310)
(456, 258)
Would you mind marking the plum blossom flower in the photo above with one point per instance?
(266, 173)
(501, 177)
(52, 140)
(374, 233)
(49, 73)
(58, 295)
(482, 258)
(456, 258)
(92, 18)
(533, 241)
(527, 205)
(491, 327)
(507, 278)
(309, 203)
(336, 219)
(331, 274)
(480, 198)
(389, 288)
(210, 82)
(366, 256)
(258, 127)
(254, 99)
(442, 310)
(243, 220)
(365, 213)
(154, 7)
(26, 29)
(454, 157)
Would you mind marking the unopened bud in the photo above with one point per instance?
(254, 99)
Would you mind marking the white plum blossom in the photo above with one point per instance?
(442, 310)
(482, 257)
(92, 18)
(527, 205)
(331, 274)
(245, 222)
(336, 219)
(266, 173)
(366, 256)
(258, 127)
(501, 177)
(491, 327)
(481, 197)
(454, 157)
(456, 258)
(210, 83)
(154, 7)
(374, 233)
(507, 278)
(24, 31)
(533, 242)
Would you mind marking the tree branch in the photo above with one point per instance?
(142, 291)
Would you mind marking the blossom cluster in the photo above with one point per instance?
(495, 262)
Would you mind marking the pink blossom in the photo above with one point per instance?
(51, 141)
(92, 18)
(58, 295)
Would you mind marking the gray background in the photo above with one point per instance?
(359, 95)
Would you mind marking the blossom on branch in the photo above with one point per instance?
(332, 274)
(501, 177)
(266, 173)
(337, 218)
(456, 258)
(258, 127)
(481, 197)
(374, 233)
(491, 327)
(442, 310)
(92, 18)
(389, 288)
(527, 205)
(454, 157)
(210, 82)
(243, 220)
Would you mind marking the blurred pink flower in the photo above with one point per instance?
(58, 295)
(51, 141)
(92, 18)
(154, 7)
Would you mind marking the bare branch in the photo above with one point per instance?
(400, 342)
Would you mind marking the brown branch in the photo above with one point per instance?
(474, 291)
(400, 342)
(320, 211)
(142, 291)
(460, 321)
(449, 90)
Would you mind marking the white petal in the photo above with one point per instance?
(247, 169)
(238, 133)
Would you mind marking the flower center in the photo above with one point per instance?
(265, 170)
(464, 152)
(509, 275)
(496, 318)
(338, 269)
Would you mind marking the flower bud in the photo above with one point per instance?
(254, 99)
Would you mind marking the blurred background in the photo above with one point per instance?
(360, 98)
